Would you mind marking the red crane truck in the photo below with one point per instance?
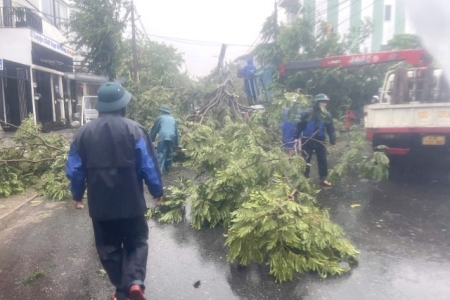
(413, 115)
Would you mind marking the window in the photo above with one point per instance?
(388, 12)
(47, 8)
(54, 11)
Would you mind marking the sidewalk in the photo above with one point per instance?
(9, 207)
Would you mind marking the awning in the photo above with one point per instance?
(47, 58)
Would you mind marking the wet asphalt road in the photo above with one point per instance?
(401, 228)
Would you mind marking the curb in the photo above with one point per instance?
(9, 216)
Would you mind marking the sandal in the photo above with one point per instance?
(326, 183)
(136, 292)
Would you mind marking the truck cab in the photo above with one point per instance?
(416, 79)
(413, 116)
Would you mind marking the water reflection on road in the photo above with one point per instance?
(400, 227)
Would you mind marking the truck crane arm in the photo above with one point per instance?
(416, 57)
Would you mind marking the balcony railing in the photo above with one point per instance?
(20, 17)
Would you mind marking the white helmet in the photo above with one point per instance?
(376, 98)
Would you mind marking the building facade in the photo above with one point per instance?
(388, 18)
(36, 65)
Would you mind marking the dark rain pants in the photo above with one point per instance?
(123, 249)
(164, 152)
(309, 148)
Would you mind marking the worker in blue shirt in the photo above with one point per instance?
(288, 130)
(247, 73)
(166, 128)
(311, 131)
(112, 157)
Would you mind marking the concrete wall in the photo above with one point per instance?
(49, 30)
(333, 11)
(400, 18)
(33, 4)
(389, 26)
(344, 17)
(53, 33)
(16, 45)
(345, 14)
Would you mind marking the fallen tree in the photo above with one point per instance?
(261, 198)
(34, 158)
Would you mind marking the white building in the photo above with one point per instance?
(388, 17)
(36, 65)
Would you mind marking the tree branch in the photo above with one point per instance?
(32, 134)
(26, 160)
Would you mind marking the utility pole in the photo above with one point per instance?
(133, 36)
(276, 12)
(275, 16)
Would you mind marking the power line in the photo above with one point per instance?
(183, 40)
(372, 3)
(253, 44)
(324, 8)
(339, 10)
(321, 5)
(39, 11)
(196, 42)
(141, 23)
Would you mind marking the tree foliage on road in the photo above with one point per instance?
(96, 31)
(261, 197)
(34, 157)
(356, 159)
(246, 183)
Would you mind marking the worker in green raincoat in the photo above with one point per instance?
(167, 130)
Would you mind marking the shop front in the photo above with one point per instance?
(15, 93)
(52, 93)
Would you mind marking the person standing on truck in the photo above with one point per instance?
(112, 156)
(167, 130)
(314, 124)
(247, 73)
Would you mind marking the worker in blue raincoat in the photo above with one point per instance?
(288, 130)
(249, 80)
(167, 130)
(112, 157)
(314, 125)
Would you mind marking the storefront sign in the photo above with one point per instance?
(48, 43)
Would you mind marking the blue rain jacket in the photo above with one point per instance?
(288, 130)
(249, 81)
(112, 157)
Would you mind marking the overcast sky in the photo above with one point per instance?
(235, 22)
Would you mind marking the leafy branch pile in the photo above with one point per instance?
(220, 99)
(33, 158)
(290, 232)
(357, 159)
(261, 197)
(172, 209)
